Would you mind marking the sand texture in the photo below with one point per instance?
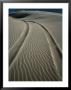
(35, 46)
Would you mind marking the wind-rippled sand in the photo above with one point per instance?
(35, 47)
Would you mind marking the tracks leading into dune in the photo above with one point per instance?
(54, 49)
(36, 59)
(14, 50)
(49, 35)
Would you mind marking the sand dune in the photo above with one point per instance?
(35, 47)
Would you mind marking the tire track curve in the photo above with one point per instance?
(55, 51)
(31, 62)
(13, 51)
(60, 52)
(34, 66)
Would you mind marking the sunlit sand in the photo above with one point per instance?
(35, 46)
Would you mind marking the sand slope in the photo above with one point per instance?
(35, 47)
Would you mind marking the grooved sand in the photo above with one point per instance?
(34, 48)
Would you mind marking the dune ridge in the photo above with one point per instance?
(35, 56)
(14, 49)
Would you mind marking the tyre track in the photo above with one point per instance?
(40, 64)
(49, 35)
(35, 68)
(38, 59)
(13, 51)
(29, 63)
(45, 65)
(41, 75)
(53, 47)
(41, 68)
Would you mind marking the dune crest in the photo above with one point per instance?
(35, 47)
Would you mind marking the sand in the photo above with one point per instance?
(35, 47)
